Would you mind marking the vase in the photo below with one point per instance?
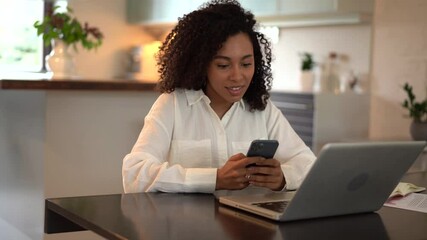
(60, 61)
(418, 130)
(307, 81)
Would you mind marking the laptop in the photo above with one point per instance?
(346, 178)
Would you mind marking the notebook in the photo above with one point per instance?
(346, 178)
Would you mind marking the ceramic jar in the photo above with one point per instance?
(61, 62)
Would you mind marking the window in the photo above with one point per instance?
(21, 50)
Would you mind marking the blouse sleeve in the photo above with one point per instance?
(146, 169)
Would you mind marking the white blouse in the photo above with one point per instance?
(184, 142)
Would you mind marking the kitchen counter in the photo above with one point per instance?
(108, 85)
(64, 138)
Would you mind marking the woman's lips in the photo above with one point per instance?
(235, 91)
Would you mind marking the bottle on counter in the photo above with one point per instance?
(337, 76)
(332, 74)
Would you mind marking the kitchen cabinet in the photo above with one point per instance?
(260, 8)
(289, 7)
(305, 13)
(320, 118)
(306, 7)
(283, 13)
(65, 142)
(151, 12)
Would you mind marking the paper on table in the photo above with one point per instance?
(414, 201)
(403, 189)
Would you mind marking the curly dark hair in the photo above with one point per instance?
(188, 49)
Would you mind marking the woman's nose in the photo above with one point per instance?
(236, 73)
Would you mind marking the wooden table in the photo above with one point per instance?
(200, 216)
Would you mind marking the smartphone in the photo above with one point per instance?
(262, 148)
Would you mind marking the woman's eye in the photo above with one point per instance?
(222, 66)
(247, 64)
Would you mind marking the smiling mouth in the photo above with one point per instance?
(235, 90)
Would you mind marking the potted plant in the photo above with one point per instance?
(62, 30)
(307, 74)
(64, 27)
(418, 113)
(307, 62)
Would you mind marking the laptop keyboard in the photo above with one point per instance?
(274, 206)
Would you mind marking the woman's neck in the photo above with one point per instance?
(220, 108)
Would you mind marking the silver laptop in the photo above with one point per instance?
(346, 178)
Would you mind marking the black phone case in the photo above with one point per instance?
(263, 148)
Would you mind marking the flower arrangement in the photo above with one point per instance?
(417, 110)
(65, 27)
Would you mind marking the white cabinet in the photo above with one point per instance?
(63, 143)
(282, 13)
(290, 7)
(149, 12)
(260, 8)
(322, 118)
(302, 13)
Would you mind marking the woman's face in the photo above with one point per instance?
(231, 71)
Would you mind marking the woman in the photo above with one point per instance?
(214, 78)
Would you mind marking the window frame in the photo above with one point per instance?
(47, 10)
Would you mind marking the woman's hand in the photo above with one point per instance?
(267, 173)
(234, 175)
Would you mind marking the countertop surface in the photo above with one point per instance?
(107, 85)
(113, 85)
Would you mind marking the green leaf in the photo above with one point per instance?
(67, 28)
(417, 110)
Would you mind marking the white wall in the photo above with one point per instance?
(354, 41)
(110, 60)
(399, 56)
